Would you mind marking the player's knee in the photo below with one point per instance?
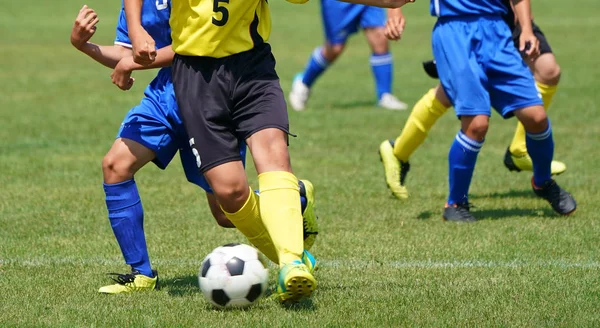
(231, 197)
(332, 51)
(476, 127)
(547, 70)
(114, 170)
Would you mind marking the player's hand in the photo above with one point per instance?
(121, 75)
(395, 24)
(84, 27)
(529, 45)
(143, 46)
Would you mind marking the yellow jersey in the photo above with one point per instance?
(218, 28)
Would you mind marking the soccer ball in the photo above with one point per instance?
(233, 275)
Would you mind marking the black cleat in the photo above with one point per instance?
(561, 201)
(431, 69)
(458, 213)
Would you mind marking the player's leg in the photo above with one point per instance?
(513, 91)
(461, 75)
(373, 21)
(547, 75)
(142, 139)
(340, 20)
(261, 118)
(395, 154)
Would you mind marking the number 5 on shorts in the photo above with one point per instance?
(220, 9)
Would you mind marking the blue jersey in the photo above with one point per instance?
(446, 8)
(155, 20)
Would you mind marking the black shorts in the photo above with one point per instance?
(223, 101)
(544, 45)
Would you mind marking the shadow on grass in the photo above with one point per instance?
(354, 104)
(305, 304)
(506, 194)
(497, 214)
(181, 286)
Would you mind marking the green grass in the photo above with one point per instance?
(384, 262)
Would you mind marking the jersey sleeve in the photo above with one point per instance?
(122, 37)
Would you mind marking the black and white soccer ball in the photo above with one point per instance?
(233, 275)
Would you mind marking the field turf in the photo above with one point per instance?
(384, 263)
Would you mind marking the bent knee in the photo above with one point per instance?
(547, 71)
(116, 170)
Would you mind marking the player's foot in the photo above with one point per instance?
(389, 101)
(309, 260)
(560, 200)
(299, 94)
(458, 213)
(131, 282)
(311, 226)
(524, 163)
(394, 169)
(431, 69)
(295, 282)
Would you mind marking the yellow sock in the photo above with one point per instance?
(281, 213)
(425, 113)
(248, 221)
(518, 146)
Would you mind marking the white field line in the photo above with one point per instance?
(349, 264)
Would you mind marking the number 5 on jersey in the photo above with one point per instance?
(218, 8)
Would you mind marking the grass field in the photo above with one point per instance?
(383, 262)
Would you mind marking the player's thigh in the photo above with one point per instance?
(269, 150)
(461, 75)
(148, 125)
(202, 88)
(511, 83)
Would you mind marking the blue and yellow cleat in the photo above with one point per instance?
(131, 282)
(309, 260)
(295, 282)
(311, 226)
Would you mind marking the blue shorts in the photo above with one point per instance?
(479, 66)
(156, 124)
(342, 19)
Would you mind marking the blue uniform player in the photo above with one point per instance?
(479, 66)
(152, 131)
(340, 20)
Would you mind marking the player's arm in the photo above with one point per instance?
(528, 43)
(83, 30)
(143, 45)
(395, 23)
(381, 3)
(121, 75)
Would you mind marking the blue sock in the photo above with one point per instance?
(382, 66)
(317, 64)
(127, 220)
(462, 159)
(540, 147)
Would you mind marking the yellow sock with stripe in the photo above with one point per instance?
(425, 113)
(518, 146)
(281, 213)
(248, 221)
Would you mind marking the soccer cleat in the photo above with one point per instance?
(389, 101)
(309, 260)
(560, 200)
(394, 169)
(131, 282)
(311, 226)
(458, 213)
(431, 69)
(295, 282)
(299, 94)
(524, 163)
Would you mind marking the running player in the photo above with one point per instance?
(151, 131)
(491, 73)
(340, 20)
(395, 154)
